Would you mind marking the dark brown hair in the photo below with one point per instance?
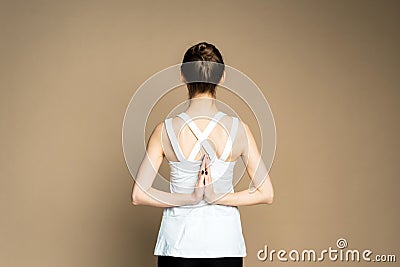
(206, 66)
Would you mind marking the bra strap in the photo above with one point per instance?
(230, 140)
(174, 141)
(201, 136)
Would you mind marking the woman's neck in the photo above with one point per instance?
(202, 105)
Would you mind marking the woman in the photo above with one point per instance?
(201, 222)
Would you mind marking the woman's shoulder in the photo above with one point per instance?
(158, 129)
(229, 119)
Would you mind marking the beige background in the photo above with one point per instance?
(68, 69)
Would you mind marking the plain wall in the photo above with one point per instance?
(68, 69)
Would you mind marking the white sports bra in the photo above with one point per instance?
(202, 230)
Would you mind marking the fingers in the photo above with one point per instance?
(207, 162)
(207, 179)
(207, 172)
(202, 172)
(207, 166)
(202, 181)
(203, 165)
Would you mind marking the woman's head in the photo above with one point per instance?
(206, 65)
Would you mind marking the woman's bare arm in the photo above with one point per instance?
(263, 192)
(142, 191)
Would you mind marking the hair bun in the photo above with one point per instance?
(202, 47)
(202, 76)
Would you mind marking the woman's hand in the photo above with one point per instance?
(209, 195)
(198, 193)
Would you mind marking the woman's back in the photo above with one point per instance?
(203, 230)
(218, 138)
(194, 143)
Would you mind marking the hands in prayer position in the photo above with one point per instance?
(204, 186)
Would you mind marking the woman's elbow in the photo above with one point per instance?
(268, 198)
(136, 198)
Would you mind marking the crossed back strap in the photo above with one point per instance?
(201, 137)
